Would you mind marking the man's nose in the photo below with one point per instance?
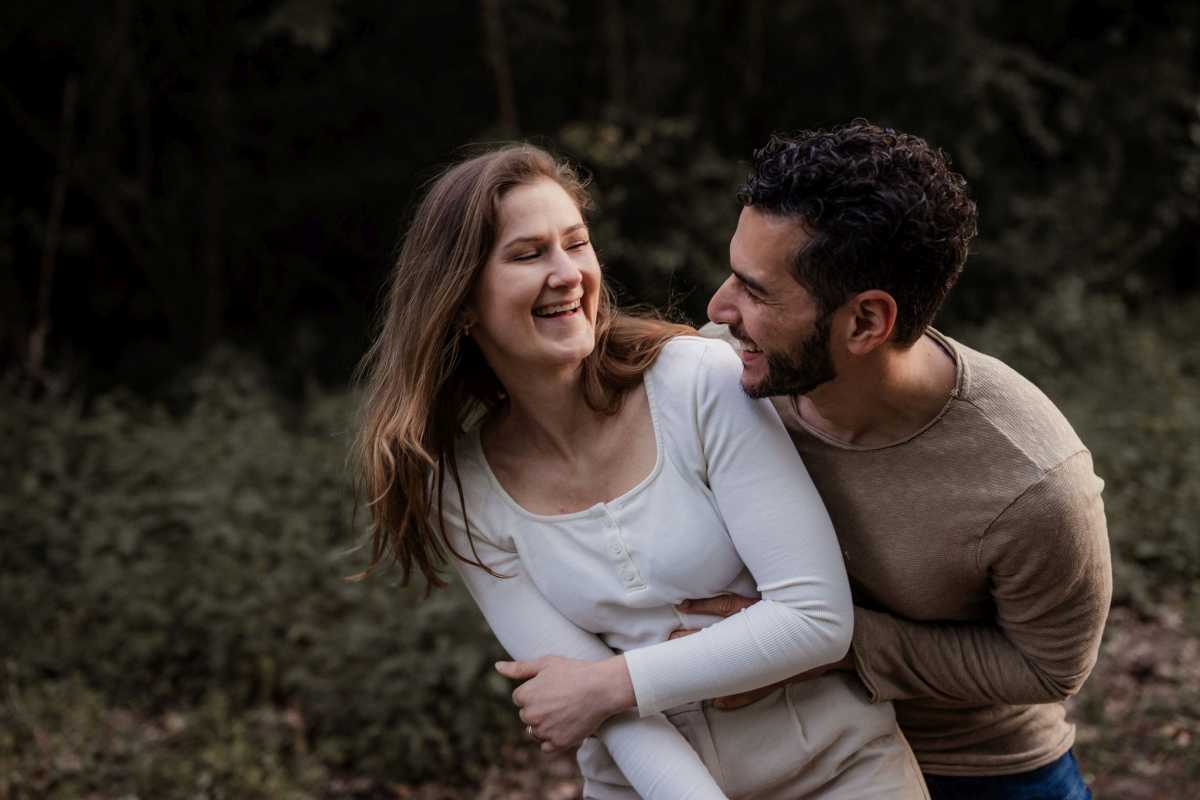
(720, 309)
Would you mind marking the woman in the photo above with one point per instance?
(611, 468)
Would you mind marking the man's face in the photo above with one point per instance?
(785, 338)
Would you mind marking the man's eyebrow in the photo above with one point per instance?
(750, 282)
(535, 239)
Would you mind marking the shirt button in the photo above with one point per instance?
(615, 547)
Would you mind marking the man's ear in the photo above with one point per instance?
(872, 318)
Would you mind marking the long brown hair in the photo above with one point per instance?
(422, 376)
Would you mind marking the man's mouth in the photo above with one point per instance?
(747, 344)
(557, 310)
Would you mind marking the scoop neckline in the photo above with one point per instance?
(592, 510)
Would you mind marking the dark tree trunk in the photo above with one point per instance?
(496, 49)
(614, 39)
(58, 198)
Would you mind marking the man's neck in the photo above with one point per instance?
(883, 398)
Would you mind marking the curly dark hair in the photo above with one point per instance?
(884, 209)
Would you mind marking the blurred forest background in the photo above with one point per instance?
(199, 205)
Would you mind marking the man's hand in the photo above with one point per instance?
(726, 605)
(723, 605)
(564, 700)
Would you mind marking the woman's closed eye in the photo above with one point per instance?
(532, 255)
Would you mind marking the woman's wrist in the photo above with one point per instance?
(616, 685)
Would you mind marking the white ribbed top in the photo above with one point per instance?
(728, 507)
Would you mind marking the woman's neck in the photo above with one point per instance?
(547, 415)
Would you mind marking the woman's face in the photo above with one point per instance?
(534, 306)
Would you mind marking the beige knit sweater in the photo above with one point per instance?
(978, 556)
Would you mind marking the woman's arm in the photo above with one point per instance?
(782, 533)
(653, 755)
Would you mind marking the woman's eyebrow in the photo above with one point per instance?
(524, 240)
(534, 239)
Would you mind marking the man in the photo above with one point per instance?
(967, 508)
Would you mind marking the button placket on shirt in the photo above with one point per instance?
(631, 579)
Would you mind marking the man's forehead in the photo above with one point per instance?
(766, 244)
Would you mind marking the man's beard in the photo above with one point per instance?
(805, 368)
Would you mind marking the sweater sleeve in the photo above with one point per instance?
(782, 533)
(652, 754)
(1047, 562)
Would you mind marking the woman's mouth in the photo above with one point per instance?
(557, 310)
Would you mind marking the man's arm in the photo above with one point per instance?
(1047, 561)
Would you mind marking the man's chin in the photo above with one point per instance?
(761, 386)
(755, 387)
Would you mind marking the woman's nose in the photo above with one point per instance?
(565, 272)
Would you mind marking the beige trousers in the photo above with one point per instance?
(812, 739)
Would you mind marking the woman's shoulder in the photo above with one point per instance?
(467, 497)
(700, 362)
(462, 469)
(690, 354)
(687, 374)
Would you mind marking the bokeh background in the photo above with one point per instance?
(199, 204)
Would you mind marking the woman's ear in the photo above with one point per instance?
(873, 318)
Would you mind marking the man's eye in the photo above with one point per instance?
(746, 290)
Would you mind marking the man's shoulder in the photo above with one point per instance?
(1000, 399)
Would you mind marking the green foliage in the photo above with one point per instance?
(161, 556)
(274, 147)
(60, 740)
(665, 207)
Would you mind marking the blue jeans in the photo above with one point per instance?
(1058, 780)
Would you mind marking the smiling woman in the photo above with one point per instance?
(535, 301)
(616, 469)
(426, 372)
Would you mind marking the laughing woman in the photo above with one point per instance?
(585, 471)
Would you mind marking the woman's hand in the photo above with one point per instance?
(564, 700)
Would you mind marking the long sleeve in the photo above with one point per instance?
(652, 754)
(782, 533)
(1047, 561)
